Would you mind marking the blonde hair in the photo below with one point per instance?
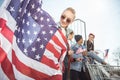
(70, 9)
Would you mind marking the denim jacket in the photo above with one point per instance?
(77, 65)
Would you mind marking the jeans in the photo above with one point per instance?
(95, 56)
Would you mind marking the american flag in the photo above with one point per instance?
(106, 53)
(31, 45)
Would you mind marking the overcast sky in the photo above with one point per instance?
(102, 18)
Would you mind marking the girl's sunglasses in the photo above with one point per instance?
(68, 20)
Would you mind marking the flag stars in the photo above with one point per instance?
(28, 32)
(18, 40)
(35, 32)
(25, 11)
(38, 9)
(29, 14)
(48, 20)
(23, 31)
(42, 25)
(25, 50)
(33, 6)
(12, 9)
(23, 41)
(38, 39)
(40, 1)
(20, 9)
(30, 41)
(46, 39)
(33, 49)
(23, 21)
(28, 23)
(49, 25)
(35, 17)
(18, 17)
(41, 18)
(41, 11)
(21, 1)
(37, 57)
(18, 29)
(41, 46)
(34, 25)
(51, 32)
(43, 32)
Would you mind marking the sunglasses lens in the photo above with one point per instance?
(62, 17)
(68, 20)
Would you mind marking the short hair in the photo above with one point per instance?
(78, 37)
(92, 35)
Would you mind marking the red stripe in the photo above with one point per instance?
(52, 49)
(49, 62)
(6, 32)
(64, 38)
(2, 55)
(56, 40)
(26, 70)
(7, 66)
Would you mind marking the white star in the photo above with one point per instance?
(41, 11)
(41, 46)
(35, 17)
(38, 9)
(20, 9)
(42, 25)
(23, 31)
(37, 57)
(33, 49)
(40, 1)
(12, 9)
(28, 23)
(18, 17)
(18, 40)
(33, 6)
(41, 18)
(46, 39)
(48, 20)
(49, 25)
(30, 41)
(18, 29)
(29, 14)
(38, 39)
(25, 51)
(28, 32)
(23, 21)
(34, 25)
(51, 32)
(21, 1)
(35, 32)
(43, 32)
(23, 40)
(25, 10)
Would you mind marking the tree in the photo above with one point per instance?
(116, 54)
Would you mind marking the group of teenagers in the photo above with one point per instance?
(78, 53)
